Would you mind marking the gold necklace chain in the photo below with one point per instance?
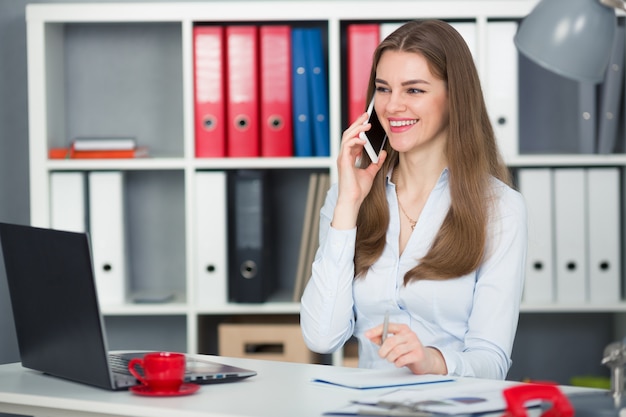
(412, 222)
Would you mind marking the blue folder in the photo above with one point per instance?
(302, 129)
(318, 90)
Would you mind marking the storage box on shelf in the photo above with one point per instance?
(127, 69)
(271, 338)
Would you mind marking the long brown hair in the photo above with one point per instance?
(471, 150)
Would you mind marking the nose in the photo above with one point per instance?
(395, 103)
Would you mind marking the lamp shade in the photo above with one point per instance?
(572, 38)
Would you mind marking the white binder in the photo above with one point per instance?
(604, 235)
(211, 261)
(67, 201)
(106, 224)
(570, 210)
(535, 184)
(501, 82)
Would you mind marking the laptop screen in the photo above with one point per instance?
(60, 330)
(58, 323)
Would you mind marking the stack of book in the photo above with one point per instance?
(100, 148)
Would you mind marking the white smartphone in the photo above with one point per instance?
(375, 137)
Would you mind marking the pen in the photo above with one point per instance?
(385, 327)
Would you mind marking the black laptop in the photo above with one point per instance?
(59, 326)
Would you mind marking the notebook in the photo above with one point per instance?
(59, 325)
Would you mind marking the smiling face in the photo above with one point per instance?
(411, 103)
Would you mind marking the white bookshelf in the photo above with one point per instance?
(49, 30)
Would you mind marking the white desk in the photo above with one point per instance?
(279, 390)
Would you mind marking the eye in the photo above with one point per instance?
(415, 91)
(381, 89)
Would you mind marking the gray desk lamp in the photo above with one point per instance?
(572, 38)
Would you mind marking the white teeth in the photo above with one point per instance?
(398, 123)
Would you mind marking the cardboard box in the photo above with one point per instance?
(272, 341)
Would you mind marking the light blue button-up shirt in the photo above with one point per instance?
(471, 319)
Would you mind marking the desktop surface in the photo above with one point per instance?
(280, 389)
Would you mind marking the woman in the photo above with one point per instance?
(432, 234)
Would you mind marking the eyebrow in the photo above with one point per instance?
(404, 83)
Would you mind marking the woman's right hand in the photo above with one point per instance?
(354, 183)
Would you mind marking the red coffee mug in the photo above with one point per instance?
(162, 371)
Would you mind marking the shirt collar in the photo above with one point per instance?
(443, 178)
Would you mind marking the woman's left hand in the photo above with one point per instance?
(402, 347)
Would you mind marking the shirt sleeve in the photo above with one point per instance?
(326, 312)
(499, 284)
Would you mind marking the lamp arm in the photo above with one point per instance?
(618, 4)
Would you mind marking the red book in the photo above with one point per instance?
(209, 80)
(70, 153)
(362, 41)
(275, 73)
(242, 108)
(59, 153)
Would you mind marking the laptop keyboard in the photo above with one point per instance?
(119, 364)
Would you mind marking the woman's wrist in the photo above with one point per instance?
(438, 362)
(345, 215)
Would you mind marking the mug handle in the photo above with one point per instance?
(131, 368)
